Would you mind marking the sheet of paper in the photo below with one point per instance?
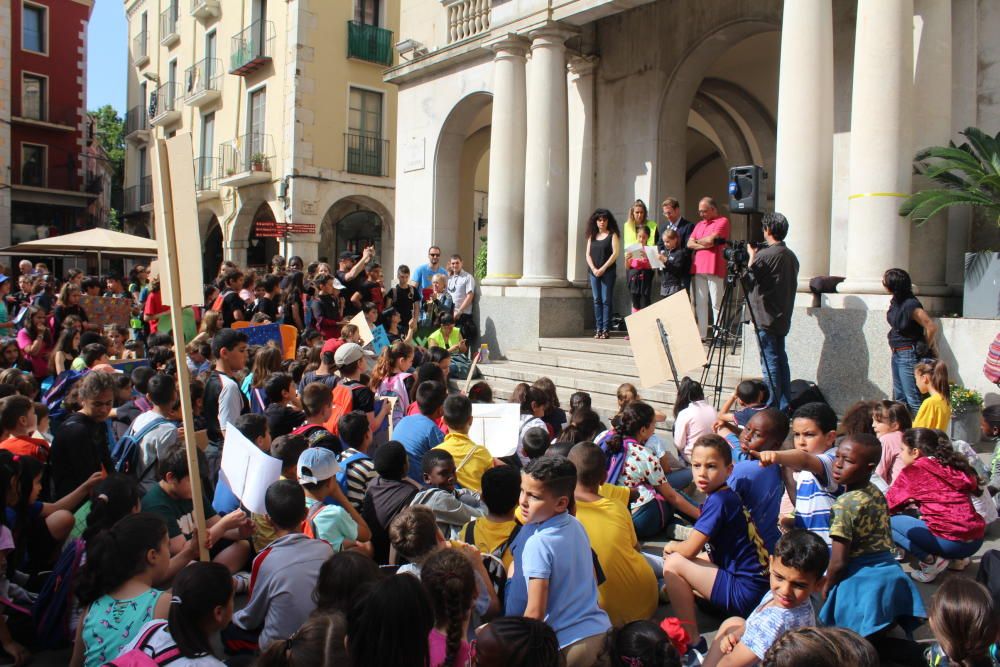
(685, 344)
(362, 324)
(247, 470)
(654, 257)
(496, 427)
(635, 247)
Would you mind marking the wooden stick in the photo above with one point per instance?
(472, 371)
(169, 274)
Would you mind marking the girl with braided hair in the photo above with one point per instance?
(516, 640)
(939, 483)
(319, 642)
(631, 464)
(448, 577)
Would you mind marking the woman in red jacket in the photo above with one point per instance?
(938, 483)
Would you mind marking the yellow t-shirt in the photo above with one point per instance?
(489, 535)
(629, 592)
(615, 492)
(471, 460)
(263, 533)
(934, 412)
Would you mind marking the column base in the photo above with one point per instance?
(516, 317)
(500, 281)
(542, 281)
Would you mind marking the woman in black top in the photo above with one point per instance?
(69, 304)
(912, 335)
(603, 245)
(291, 305)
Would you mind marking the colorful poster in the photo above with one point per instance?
(126, 366)
(380, 339)
(104, 310)
(262, 334)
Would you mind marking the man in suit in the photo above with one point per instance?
(678, 223)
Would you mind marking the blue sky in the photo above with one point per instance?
(107, 55)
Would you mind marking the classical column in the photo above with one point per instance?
(931, 127)
(881, 144)
(804, 153)
(507, 142)
(546, 171)
(236, 251)
(580, 123)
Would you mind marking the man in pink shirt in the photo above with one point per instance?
(708, 266)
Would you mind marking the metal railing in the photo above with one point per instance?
(146, 191)
(203, 76)
(251, 47)
(46, 111)
(467, 18)
(366, 155)
(136, 119)
(168, 20)
(163, 99)
(369, 42)
(250, 152)
(131, 199)
(206, 171)
(140, 44)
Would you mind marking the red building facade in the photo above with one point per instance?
(51, 184)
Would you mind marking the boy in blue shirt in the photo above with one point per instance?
(735, 578)
(419, 433)
(553, 577)
(759, 487)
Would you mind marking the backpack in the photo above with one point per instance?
(137, 657)
(616, 462)
(395, 386)
(989, 573)
(125, 453)
(53, 608)
(316, 434)
(53, 398)
(258, 401)
(217, 304)
(308, 524)
(493, 561)
(345, 464)
(343, 402)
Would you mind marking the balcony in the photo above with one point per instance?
(139, 198)
(247, 161)
(467, 18)
(164, 105)
(206, 171)
(136, 125)
(140, 49)
(168, 25)
(203, 82)
(36, 112)
(366, 155)
(369, 42)
(252, 48)
(205, 10)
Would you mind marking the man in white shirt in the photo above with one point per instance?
(462, 290)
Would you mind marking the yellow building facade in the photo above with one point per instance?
(290, 120)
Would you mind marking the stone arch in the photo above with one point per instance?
(347, 209)
(260, 250)
(212, 255)
(470, 115)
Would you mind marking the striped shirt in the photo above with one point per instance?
(814, 497)
(359, 474)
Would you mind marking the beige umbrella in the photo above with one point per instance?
(98, 240)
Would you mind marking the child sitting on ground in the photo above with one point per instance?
(452, 508)
(253, 427)
(761, 488)
(535, 442)
(553, 577)
(450, 582)
(419, 432)
(317, 404)
(965, 620)
(863, 574)
(339, 523)
(797, 567)
(345, 578)
(751, 397)
(889, 420)
(471, 459)
(387, 495)
(935, 411)
(736, 578)
(494, 532)
(287, 449)
(629, 590)
(283, 408)
(19, 421)
(642, 643)
(359, 469)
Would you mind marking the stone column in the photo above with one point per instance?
(546, 171)
(881, 144)
(804, 154)
(581, 164)
(507, 148)
(931, 127)
(236, 251)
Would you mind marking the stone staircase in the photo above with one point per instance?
(597, 367)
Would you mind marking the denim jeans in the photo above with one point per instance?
(904, 385)
(680, 479)
(774, 366)
(604, 292)
(914, 536)
(651, 518)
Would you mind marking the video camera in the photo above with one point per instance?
(737, 254)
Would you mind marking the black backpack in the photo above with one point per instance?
(493, 561)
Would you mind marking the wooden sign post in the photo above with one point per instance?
(175, 212)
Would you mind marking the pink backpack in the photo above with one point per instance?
(137, 657)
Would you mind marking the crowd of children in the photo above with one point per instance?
(422, 548)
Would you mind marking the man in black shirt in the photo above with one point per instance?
(772, 280)
(351, 274)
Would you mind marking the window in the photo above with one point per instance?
(33, 97)
(33, 28)
(33, 165)
(365, 114)
(255, 115)
(366, 12)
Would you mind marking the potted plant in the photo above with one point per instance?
(257, 161)
(966, 410)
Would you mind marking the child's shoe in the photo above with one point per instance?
(695, 654)
(959, 565)
(241, 583)
(929, 571)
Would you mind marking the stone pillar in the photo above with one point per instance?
(581, 129)
(236, 251)
(931, 127)
(881, 144)
(507, 149)
(305, 247)
(546, 171)
(804, 155)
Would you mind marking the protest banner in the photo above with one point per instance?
(496, 426)
(105, 310)
(247, 470)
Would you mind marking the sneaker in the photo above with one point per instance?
(241, 583)
(929, 571)
(678, 532)
(959, 565)
(695, 654)
(898, 554)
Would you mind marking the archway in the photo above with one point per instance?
(354, 222)
(461, 177)
(213, 250)
(261, 248)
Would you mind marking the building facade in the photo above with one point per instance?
(290, 120)
(561, 106)
(48, 185)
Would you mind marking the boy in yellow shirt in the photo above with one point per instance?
(471, 460)
(495, 531)
(629, 592)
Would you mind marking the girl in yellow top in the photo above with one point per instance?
(935, 411)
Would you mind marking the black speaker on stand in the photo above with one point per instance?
(745, 189)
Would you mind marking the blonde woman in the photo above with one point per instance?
(638, 216)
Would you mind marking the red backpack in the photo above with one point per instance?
(308, 524)
(343, 402)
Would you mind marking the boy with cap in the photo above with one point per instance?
(351, 273)
(349, 359)
(387, 495)
(326, 306)
(338, 523)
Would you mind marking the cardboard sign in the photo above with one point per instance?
(685, 343)
(105, 310)
(248, 470)
(190, 326)
(183, 223)
(364, 330)
(380, 339)
(496, 426)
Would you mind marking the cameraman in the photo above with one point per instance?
(772, 279)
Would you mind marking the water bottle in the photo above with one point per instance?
(484, 354)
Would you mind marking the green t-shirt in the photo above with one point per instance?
(173, 510)
(861, 518)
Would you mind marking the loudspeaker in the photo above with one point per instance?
(745, 194)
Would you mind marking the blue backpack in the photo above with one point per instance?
(53, 608)
(53, 398)
(344, 466)
(125, 453)
(615, 461)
